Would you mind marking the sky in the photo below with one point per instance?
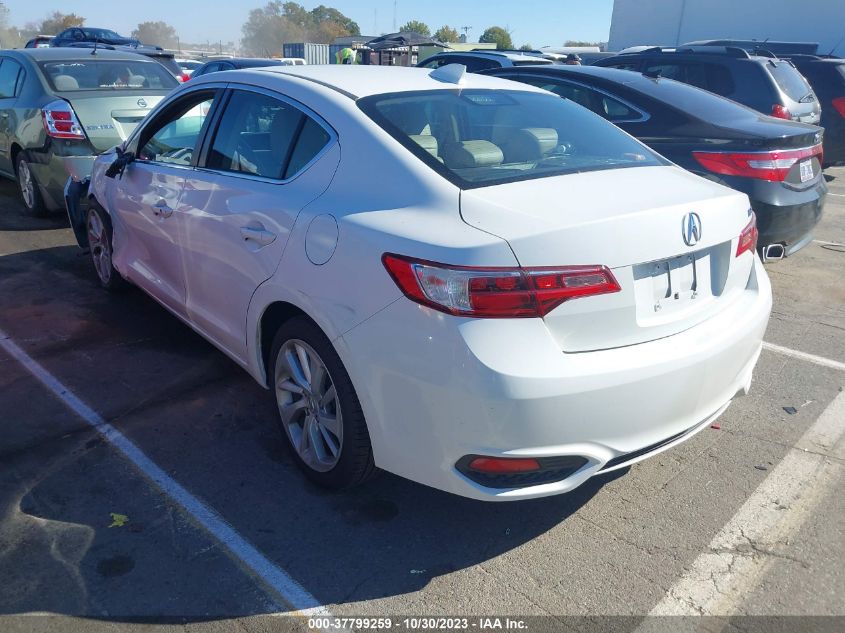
(539, 22)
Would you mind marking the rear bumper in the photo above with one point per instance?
(784, 215)
(436, 388)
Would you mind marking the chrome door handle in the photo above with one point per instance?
(259, 236)
(161, 209)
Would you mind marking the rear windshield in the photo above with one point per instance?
(70, 76)
(477, 138)
(694, 101)
(789, 79)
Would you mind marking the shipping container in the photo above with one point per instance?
(312, 53)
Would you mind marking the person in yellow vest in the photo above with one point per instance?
(346, 56)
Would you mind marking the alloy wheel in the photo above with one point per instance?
(308, 405)
(98, 243)
(27, 184)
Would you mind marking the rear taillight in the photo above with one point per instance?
(781, 112)
(773, 165)
(183, 77)
(60, 121)
(839, 105)
(748, 237)
(496, 292)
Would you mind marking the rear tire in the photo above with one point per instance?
(319, 410)
(99, 229)
(27, 185)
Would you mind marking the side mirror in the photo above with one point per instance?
(120, 163)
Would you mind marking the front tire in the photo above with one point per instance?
(30, 193)
(99, 229)
(319, 410)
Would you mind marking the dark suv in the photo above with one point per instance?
(827, 77)
(767, 84)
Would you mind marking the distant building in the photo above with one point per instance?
(673, 22)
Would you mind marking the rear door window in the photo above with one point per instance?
(608, 107)
(263, 136)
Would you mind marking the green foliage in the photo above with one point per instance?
(526, 47)
(415, 26)
(57, 21)
(498, 36)
(156, 34)
(447, 34)
(267, 28)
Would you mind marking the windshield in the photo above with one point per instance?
(69, 76)
(699, 103)
(790, 80)
(477, 138)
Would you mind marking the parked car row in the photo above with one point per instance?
(514, 254)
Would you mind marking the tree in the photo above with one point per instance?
(415, 26)
(447, 34)
(156, 33)
(498, 36)
(269, 27)
(57, 21)
(526, 47)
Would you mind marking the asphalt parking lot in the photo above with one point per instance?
(745, 519)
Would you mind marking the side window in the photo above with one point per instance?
(265, 137)
(475, 64)
(614, 110)
(312, 139)
(174, 135)
(577, 94)
(635, 66)
(669, 71)
(719, 80)
(9, 73)
(440, 61)
(692, 74)
(255, 135)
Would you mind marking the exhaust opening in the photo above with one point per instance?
(774, 252)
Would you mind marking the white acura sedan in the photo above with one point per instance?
(468, 282)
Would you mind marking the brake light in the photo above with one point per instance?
(773, 165)
(183, 77)
(781, 112)
(748, 237)
(60, 121)
(496, 292)
(839, 104)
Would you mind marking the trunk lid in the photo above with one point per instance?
(633, 221)
(108, 119)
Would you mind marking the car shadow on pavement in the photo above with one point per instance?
(201, 419)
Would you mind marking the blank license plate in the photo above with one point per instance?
(806, 170)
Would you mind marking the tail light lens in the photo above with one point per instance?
(781, 112)
(839, 104)
(773, 165)
(496, 292)
(60, 121)
(183, 77)
(748, 237)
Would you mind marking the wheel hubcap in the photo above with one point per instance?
(100, 249)
(308, 405)
(27, 184)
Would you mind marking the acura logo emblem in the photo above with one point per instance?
(142, 103)
(691, 229)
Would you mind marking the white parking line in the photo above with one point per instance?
(739, 555)
(810, 358)
(823, 243)
(278, 583)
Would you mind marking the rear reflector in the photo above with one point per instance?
(781, 112)
(496, 292)
(773, 165)
(60, 121)
(839, 104)
(748, 237)
(495, 465)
